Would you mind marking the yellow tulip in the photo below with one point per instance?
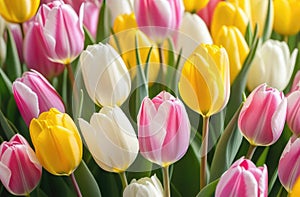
(296, 189)
(194, 5)
(233, 41)
(18, 11)
(204, 84)
(286, 16)
(57, 142)
(228, 14)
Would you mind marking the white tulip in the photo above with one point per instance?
(118, 7)
(144, 187)
(110, 139)
(273, 65)
(105, 75)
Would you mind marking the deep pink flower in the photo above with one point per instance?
(263, 116)
(207, 12)
(163, 129)
(158, 19)
(289, 164)
(34, 95)
(243, 179)
(20, 170)
(293, 112)
(296, 82)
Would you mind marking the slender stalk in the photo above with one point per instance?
(166, 180)
(123, 179)
(250, 152)
(76, 187)
(161, 63)
(70, 74)
(203, 164)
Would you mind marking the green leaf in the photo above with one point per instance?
(86, 181)
(226, 148)
(88, 38)
(249, 35)
(6, 81)
(103, 30)
(208, 190)
(12, 62)
(8, 130)
(262, 159)
(266, 32)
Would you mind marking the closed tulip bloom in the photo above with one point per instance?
(56, 141)
(263, 116)
(207, 12)
(34, 94)
(228, 14)
(194, 5)
(293, 112)
(105, 75)
(273, 65)
(296, 82)
(243, 179)
(20, 170)
(163, 129)
(204, 84)
(111, 139)
(159, 19)
(296, 189)
(18, 11)
(146, 187)
(236, 46)
(119, 7)
(289, 164)
(286, 15)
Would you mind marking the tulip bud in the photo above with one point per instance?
(293, 112)
(296, 189)
(296, 82)
(207, 12)
(20, 170)
(272, 64)
(146, 187)
(228, 14)
(119, 7)
(233, 41)
(163, 129)
(111, 139)
(18, 11)
(105, 75)
(243, 178)
(263, 116)
(194, 5)
(34, 95)
(158, 19)
(289, 164)
(56, 141)
(204, 84)
(286, 17)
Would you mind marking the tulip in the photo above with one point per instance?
(111, 139)
(228, 14)
(17, 11)
(119, 7)
(2, 41)
(194, 5)
(105, 75)
(91, 16)
(146, 187)
(296, 82)
(20, 171)
(273, 65)
(286, 15)
(289, 164)
(263, 115)
(204, 84)
(36, 53)
(34, 95)
(63, 31)
(57, 142)
(163, 129)
(233, 41)
(243, 178)
(192, 32)
(18, 38)
(296, 189)
(158, 19)
(293, 112)
(207, 12)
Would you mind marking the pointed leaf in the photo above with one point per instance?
(103, 30)
(209, 190)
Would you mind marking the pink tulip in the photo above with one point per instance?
(163, 129)
(18, 38)
(296, 82)
(91, 16)
(161, 17)
(243, 179)
(289, 164)
(207, 12)
(63, 31)
(34, 95)
(20, 171)
(263, 116)
(293, 112)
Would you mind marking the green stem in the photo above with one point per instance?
(166, 180)
(251, 151)
(203, 164)
(161, 63)
(76, 187)
(123, 179)
(27, 195)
